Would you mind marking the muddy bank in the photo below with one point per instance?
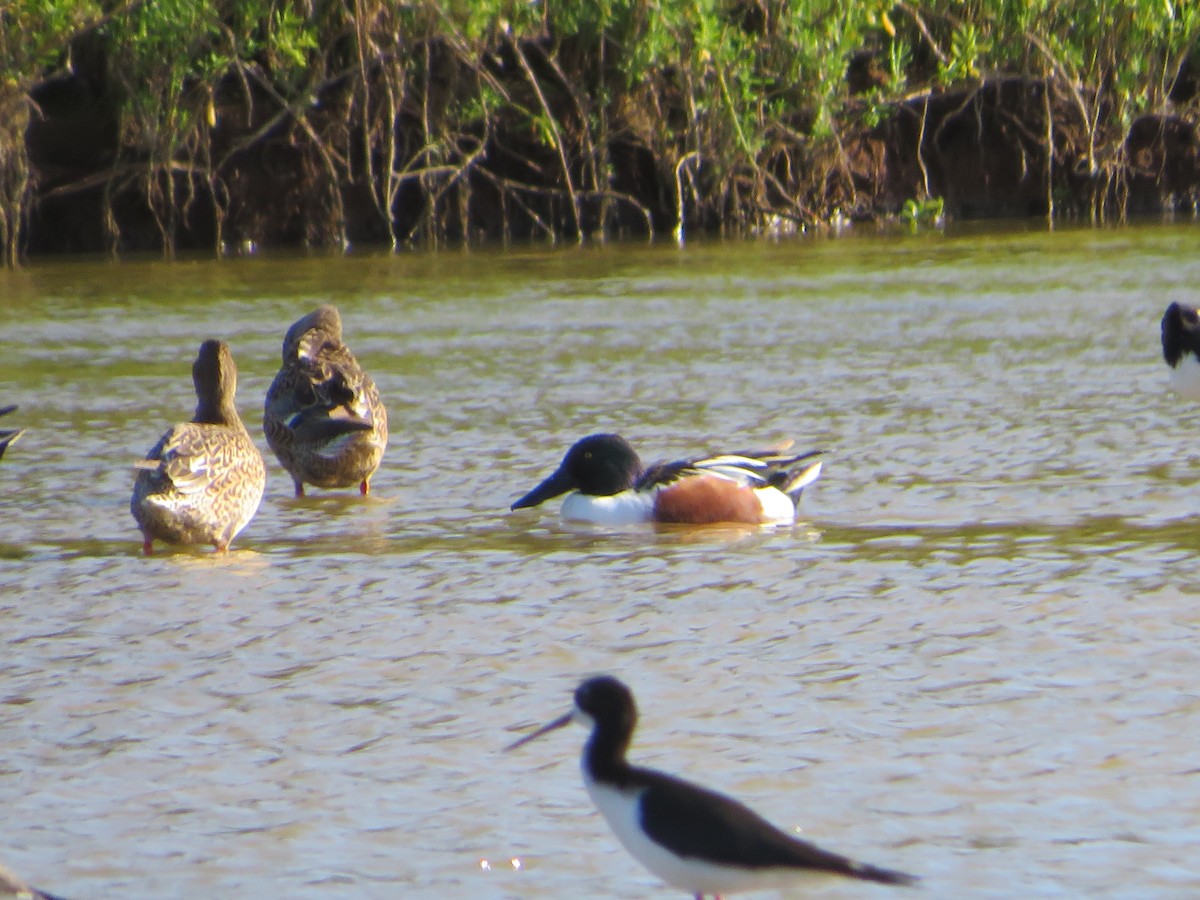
(356, 163)
(1016, 147)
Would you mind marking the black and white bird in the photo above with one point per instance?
(1181, 349)
(606, 484)
(8, 435)
(692, 838)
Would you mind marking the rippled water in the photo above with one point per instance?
(975, 660)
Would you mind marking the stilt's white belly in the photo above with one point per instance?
(1185, 378)
(620, 810)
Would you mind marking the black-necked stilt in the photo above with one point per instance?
(690, 837)
(8, 436)
(1181, 349)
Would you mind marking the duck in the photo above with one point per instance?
(695, 839)
(204, 479)
(323, 416)
(1181, 349)
(607, 484)
(8, 436)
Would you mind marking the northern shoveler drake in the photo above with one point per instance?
(202, 482)
(1181, 349)
(693, 838)
(609, 486)
(8, 436)
(323, 416)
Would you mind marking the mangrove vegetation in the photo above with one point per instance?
(236, 124)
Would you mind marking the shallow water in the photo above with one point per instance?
(974, 659)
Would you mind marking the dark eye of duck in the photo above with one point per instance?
(1191, 315)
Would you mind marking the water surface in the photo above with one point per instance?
(974, 659)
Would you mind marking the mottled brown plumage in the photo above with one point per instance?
(323, 417)
(203, 480)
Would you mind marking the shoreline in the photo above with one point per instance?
(527, 131)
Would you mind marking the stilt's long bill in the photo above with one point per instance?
(690, 837)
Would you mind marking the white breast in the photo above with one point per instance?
(1185, 378)
(625, 508)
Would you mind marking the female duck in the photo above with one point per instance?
(202, 482)
(323, 416)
